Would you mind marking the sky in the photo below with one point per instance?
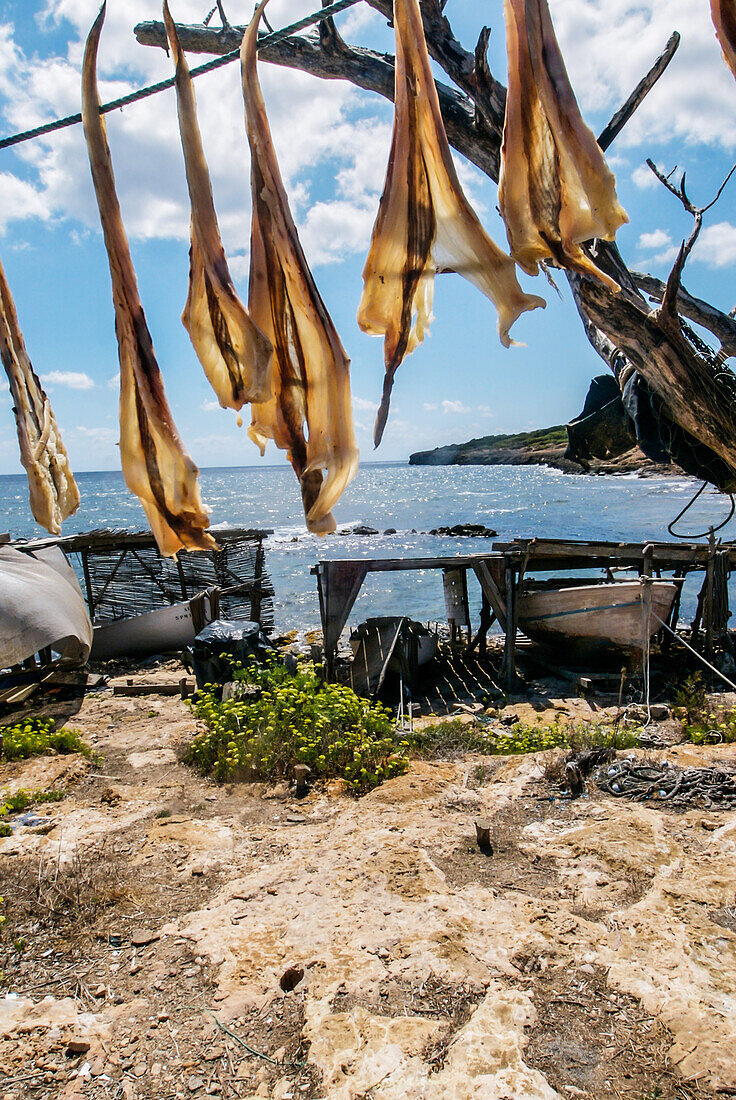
(332, 142)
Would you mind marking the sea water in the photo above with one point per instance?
(515, 501)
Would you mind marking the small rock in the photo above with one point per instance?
(364, 529)
(390, 531)
(139, 1069)
(110, 796)
(197, 870)
(76, 1046)
(509, 719)
(195, 1083)
(100, 991)
(141, 937)
(710, 826)
(291, 977)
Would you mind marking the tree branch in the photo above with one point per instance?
(367, 69)
(640, 92)
(694, 309)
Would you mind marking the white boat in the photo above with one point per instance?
(593, 619)
(161, 631)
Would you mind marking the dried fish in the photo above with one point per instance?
(425, 224)
(155, 465)
(311, 381)
(53, 491)
(724, 18)
(235, 354)
(556, 190)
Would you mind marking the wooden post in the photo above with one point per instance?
(508, 668)
(255, 599)
(483, 836)
(708, 601)
(88, 583)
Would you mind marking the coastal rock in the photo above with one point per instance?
(466, 530)
(363, 529)
(543, 447)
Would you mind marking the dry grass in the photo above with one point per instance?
(66, 894)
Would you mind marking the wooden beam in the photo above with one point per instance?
(491, 591)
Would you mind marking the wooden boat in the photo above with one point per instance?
(387, 644)
(594, 620)
(162, 631)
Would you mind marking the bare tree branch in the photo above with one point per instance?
(640, 92)
(722, 325)
(367, 69)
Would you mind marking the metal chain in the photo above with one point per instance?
(162, 85)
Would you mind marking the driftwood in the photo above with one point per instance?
(623, 328)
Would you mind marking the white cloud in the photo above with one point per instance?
(716, 245)
(210, 406)
(428, 407)
(315, 123)
(455, 407)
(73, 380)
(362, 405)
(95, 435)
(658, 238)
(644, 178)
(113, 383)
(610, 44)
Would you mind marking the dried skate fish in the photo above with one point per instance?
(424, 222)
(556, 190)
(724, 19)
(235, 354)
(53, 491)
(311, 381)
(155, 465)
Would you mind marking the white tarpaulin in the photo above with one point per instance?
(41, 604)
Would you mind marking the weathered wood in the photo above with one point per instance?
(639, 94)
(508, 667)
(367, 69)
(183, 688)
(491, 591)
(483, 836)
(689, 391)
(694, 309)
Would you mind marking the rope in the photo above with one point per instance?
(162, 85)
(663, 782)
(688, 506)
(695, 652)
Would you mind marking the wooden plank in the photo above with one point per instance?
(491, 591)
(182, 688)
(508, 668)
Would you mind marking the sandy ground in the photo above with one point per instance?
(232, 941)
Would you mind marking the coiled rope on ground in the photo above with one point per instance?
(640, 781)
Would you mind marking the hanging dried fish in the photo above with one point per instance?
(311, 380)
(556, 189)
(155, 465)
(53, 491)
(424, 222)
(235, 354)
(724, 18)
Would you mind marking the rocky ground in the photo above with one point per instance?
(168, 938)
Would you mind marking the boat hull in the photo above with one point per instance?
(595, 620)
(161, 631)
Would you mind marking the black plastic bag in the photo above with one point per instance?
(223, 642)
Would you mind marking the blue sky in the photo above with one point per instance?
(332, 141)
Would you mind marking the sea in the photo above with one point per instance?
(515, 501)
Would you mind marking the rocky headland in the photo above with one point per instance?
(542, 447)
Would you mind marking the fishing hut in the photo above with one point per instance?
(513, 571)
